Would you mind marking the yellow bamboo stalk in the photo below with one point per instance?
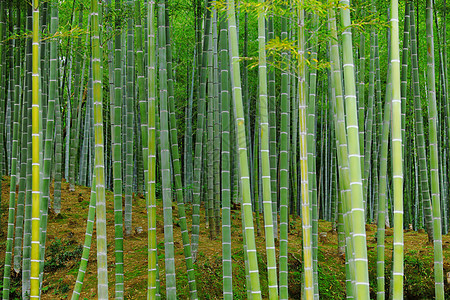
(306, 216)
(35, 217)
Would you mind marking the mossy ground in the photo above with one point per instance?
(66, 235)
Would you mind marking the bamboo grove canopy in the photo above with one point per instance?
(281, 110)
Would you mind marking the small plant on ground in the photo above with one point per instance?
(59, 253)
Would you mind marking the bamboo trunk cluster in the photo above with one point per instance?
(320, 130)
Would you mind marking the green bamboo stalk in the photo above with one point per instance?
(308, 288)
(86, 150)
(235, 173)
(128, 125)
(199, 136)
(419, 127)
(397, 160)
(446, 77)
(204, 177)
(383, 189)
(322, 203)
(43, 89)
(19, 174)
(311, 150)
(216, 128)
(434, 164)
(361, 97)
(338, 202)
(84, 169)
(226, 159)
(8, 94)
(165, 156)
(108, 117)
(143, 104)
(58, 157)
(284, 167)
(74, 109)
(257, 187)
(265, 157)
(177, 164)
(345, 244)
(187, 162)
(404, 72)
(138, 164)
(248, 102)
(116, 140)
(441, 127)
(272, 113)
(19, 226)
(48, 141)
(99, 167)
(82, 161)
(294, 146)
(209, 141)
(124, 100)
(369, 124)
(87, 243)
(68, 134)
(417, 202)
(14, 177)
(378, 122)
(242, 153)
(357, 205)
(248, 281)
(329, 164)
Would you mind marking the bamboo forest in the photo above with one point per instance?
(246, 149)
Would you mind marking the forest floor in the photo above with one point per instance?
(66, 236)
